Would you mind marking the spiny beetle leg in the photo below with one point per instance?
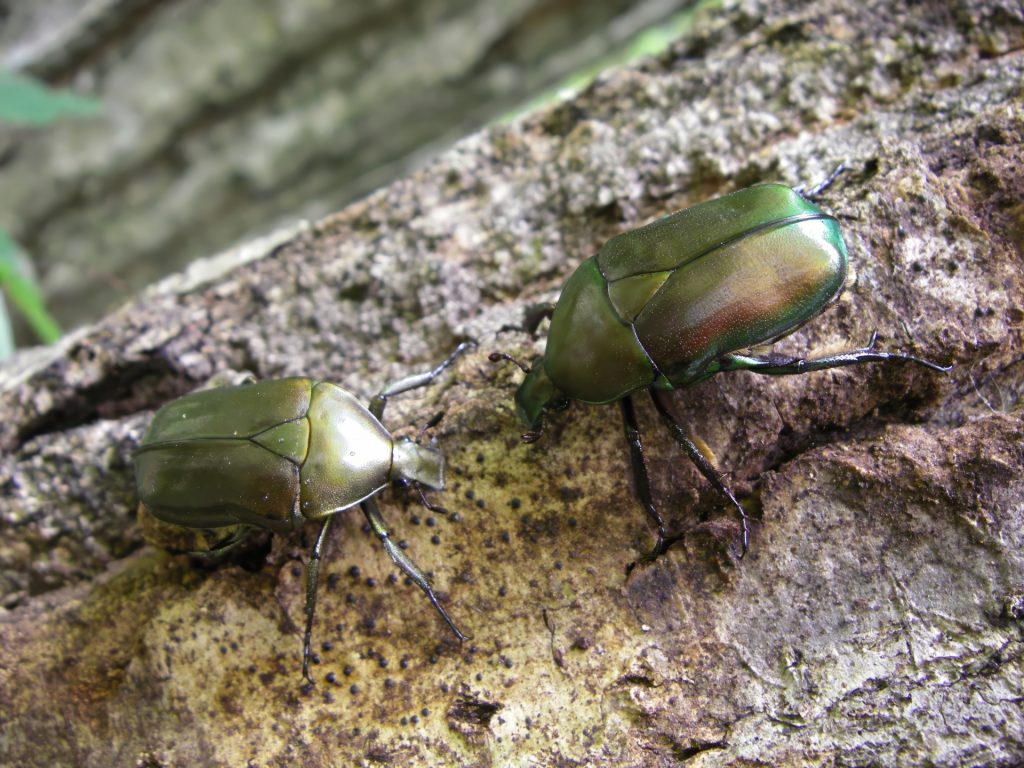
(643, 483)
(408, 567)
(700, 461)
(783, 365)
(312, 576)
(415, 381)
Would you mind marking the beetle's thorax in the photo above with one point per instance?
(592, 352)
(349, 454)
(417, 463)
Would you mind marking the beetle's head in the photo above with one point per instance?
(417, 463)
(536, 394)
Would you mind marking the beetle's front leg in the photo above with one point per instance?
(312, 576)
(373, 516)
(784, 365)
(535, 314)
(435, 508)
(643, 484)
(700, 461)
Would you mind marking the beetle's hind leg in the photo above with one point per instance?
(701, 462)
(312, 576)
(415, 381)
(408, 567)
(643, 484)
(784, 365)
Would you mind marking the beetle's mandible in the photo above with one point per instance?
(671, 304)
(275, 453)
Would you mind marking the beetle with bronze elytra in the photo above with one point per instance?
(276, 453)
(672, 303)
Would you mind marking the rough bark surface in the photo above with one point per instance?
(225, 119)
(877, 619)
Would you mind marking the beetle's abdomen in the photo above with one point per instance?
(225, 456)
(592, 354)
(213, 483)
(743, 293)
(227, 412)
(723, 275)
(349, 453)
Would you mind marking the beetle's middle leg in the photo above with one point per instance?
(408, 567)
(700, 461)
(415, 381)
(643, 483)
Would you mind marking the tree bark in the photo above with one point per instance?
(877, 617)
(224, 120)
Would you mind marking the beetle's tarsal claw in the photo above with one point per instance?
(306, 658)
(928, 364)
(448, 619)
(661, 546)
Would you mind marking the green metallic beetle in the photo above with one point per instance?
(276, 453)
(668, 305)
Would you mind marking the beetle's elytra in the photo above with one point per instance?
(274, 453)
(670, 304)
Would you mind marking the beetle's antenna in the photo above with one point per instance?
(497, 357)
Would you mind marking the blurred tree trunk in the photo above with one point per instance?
(877, 618)
(222, 120)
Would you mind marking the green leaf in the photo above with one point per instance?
(24, 294)
(26, 101)
(6, 334)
